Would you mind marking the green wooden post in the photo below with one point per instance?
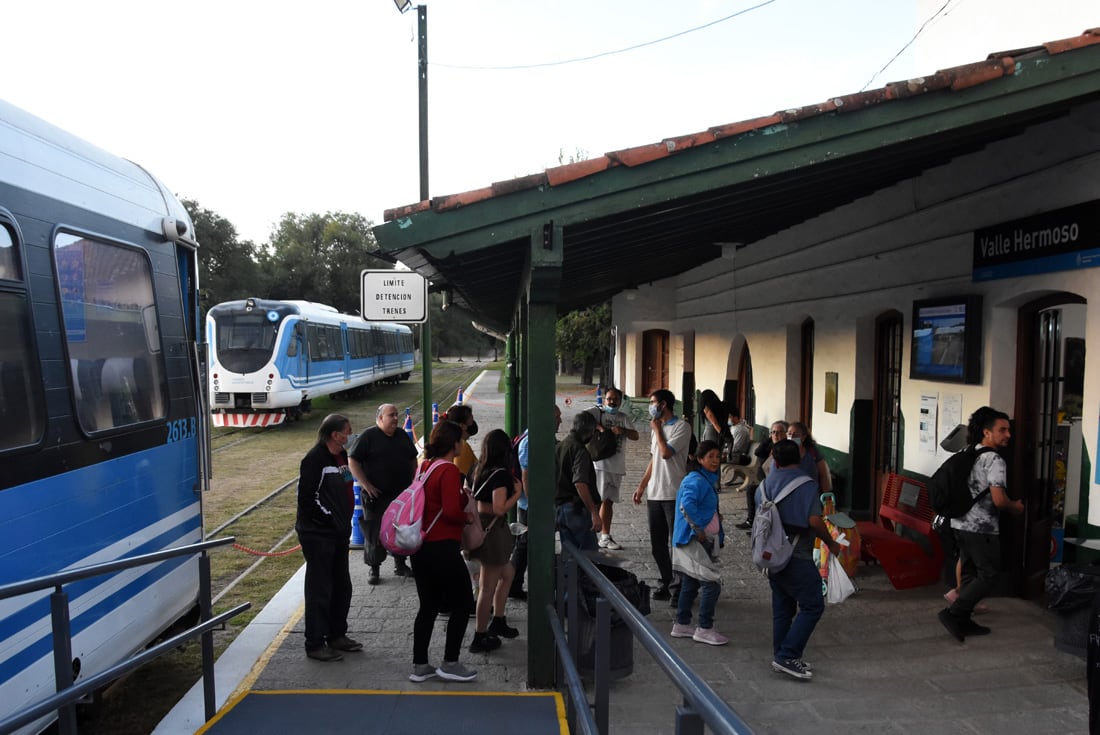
(546, 252)
(511, 419)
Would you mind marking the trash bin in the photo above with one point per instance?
(1071, 590)
(622, 640)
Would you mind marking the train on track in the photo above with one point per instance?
(102, 421)
(270, 359)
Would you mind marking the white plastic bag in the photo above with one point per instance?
(839, 586)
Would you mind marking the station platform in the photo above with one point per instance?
(882, 662)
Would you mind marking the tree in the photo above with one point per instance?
(227, 266)
(584, 337)
(318, 257)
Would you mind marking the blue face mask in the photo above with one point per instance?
(654, 410)
(611, 409)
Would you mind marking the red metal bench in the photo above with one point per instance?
(906, 562)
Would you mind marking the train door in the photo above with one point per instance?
(187, 267)
(1046, 463)
(345, 340)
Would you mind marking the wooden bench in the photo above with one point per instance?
(907, 562)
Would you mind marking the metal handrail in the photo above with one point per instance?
(64, 700)
(702, 705)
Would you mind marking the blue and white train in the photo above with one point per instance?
(270, 359)
(102, 437)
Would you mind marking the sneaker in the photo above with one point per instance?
(662, 593)
(402, 570)
(324, 653)
(953, 624)
(499, 627)
(343, 643)
(682, 631)
(373, 578)
(602, 540)
(744, 525)
(971, 628)
(710, 636)
(607, 542)
(454, 671)
(792, 667)
(484, 643)
(806, 665)
(422, 672)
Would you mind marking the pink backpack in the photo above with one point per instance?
(402, 529)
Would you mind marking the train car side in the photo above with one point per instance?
(101, 438)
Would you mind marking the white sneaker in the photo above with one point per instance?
(609, 543)
(710, 636)
(602, 540)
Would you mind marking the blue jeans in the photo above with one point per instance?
(797, 605)
(709, 598)
(575, 525)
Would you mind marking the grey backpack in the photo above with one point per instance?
(771, 549)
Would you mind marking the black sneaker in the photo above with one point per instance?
(324, 653)
(744, 525)
(402, 570)
(953, 624)
(373, 578)
(792, 667)
(343, 643)
(972, 628)
(499, 627)
(484, 643)
(662, 593)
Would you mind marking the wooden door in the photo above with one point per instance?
(654, 360)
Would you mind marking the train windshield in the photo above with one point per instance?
(245, 341)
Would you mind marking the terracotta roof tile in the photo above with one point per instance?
(956, 78)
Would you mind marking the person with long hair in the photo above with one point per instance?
(465, 458)
(325, 504)
(442, 584)
(812, 460)
(496, 492)
(715, 417)
(696, 538)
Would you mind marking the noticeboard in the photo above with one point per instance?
(394, 296)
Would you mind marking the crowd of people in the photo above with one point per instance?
(680, 487)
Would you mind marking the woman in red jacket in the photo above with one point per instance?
(442, 581)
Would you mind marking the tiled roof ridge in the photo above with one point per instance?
(964, 76)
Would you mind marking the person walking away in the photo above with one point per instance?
(442, 583)
(696, 539)
(577, 499)
(325, 504)
(519, 557)
(669, 444)
(496, 492)
(811, 460)
(797, 602)
(610, 471)
(978, 532)
(382, 461)
(777, 433)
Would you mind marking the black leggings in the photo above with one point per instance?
(443, 585)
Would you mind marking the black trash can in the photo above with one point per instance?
(1071, 590)
(622, 640)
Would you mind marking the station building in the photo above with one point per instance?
(877, 266)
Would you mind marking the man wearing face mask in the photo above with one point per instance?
(610, 471)
(667, 467)
(383, 461)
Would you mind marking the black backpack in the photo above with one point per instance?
(603, 444)
(949, 486)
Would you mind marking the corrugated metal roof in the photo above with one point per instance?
(649, 212)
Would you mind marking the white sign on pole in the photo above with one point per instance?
(394, 296)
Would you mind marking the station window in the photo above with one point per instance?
(111, 332)
(22, 412)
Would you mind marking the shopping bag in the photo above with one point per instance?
(838, 587)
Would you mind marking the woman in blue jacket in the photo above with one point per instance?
(696, 539)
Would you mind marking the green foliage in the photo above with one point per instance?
(454, 336)
(318, 257)
(227, 265)
(584, 337)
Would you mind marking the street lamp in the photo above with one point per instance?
(422, 77)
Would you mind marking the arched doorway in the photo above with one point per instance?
(654, 360)
(1046, 451)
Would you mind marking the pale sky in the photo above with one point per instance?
(255, 109)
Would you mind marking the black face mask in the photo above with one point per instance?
(472, 430)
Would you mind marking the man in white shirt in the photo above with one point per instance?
(671, 438)
(610, 471)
